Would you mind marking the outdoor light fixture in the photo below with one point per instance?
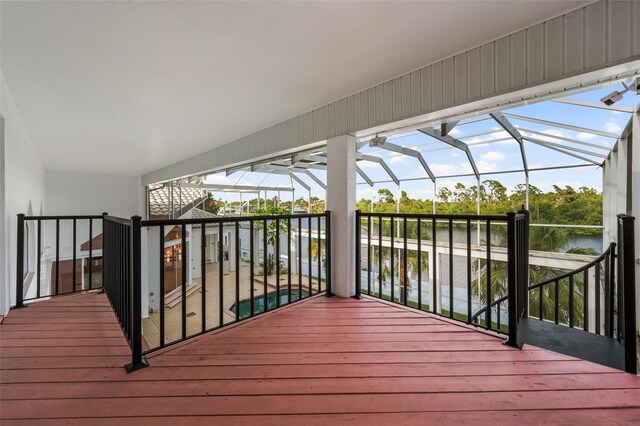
(377, 141)
(616, 96)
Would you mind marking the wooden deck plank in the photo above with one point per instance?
(321, 386)
(568, 417)
(315, 362)
(322, 404)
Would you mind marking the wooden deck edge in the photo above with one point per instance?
(438, 317)
(231, 326)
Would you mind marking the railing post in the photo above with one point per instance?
(137, 362)
(358, 254)
(20, 264)
(327, 232)
(512, 282)
(104, 249)
(523, 282)
(627, 282)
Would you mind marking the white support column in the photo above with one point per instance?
(341, 201)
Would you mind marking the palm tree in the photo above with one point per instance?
(543, 239)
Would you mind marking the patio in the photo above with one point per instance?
(320, 360)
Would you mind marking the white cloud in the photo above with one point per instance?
(455, 154)
(455, 132)
(492, 156)
(585, 136)
(487, 166)
(612, 126)
(397, 159)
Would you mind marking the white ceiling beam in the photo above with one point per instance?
(411, 153)
(568, 148)
(383, 164)
(571, 154)
(598, 105)
(239, 188)
(563, 138)
(563, 126)
(429, 131)
(515, 134)
(364, 176)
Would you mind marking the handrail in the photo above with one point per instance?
(550, 280)
(575, 271)
(397, 225)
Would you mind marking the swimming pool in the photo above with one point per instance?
(258, 302)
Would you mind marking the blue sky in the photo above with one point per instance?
(501, 155)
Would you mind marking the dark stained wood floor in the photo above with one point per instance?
(320, 361)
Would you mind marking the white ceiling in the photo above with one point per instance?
(127, 87)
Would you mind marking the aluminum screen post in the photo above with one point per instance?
(137, 362)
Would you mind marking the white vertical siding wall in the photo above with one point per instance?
(602, 34)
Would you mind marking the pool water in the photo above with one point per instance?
(258, 302)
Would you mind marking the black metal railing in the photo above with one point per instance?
(626, 292)
(47, 267)
(122, 280)
(565, 299)
(397, 244)
(205, 283)
(269, 284)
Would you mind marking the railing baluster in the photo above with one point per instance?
(183, 258)
(419, 235)
(469, 297)
(58, 257)
(597, 297)
(612, 293)
(310, 265)
(90, 253)
(540, 295)
(237, 254)
(288, 260)
(299, 254)
(220, 275)
(203, 278)
(450, 268)
(74, 268)
(251, 266)
(369, 255)
(607, 297)
(38, 258)
(327, 233)
(276, 255)
(161, 295)
(489, 295)
(319, 256)
(264, 265)
(380, 257)
(358, 256)
(391, 260)
(585, 298)
(556, 301)
(405, 274)
(571, 301)
(434, 265)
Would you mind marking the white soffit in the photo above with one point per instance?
(130, 87)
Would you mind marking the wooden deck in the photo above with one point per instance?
(320, 361)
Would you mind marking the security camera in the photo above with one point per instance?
(635, 86)
(612, 98)
(377, 141)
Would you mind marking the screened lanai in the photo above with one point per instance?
(540, 143)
